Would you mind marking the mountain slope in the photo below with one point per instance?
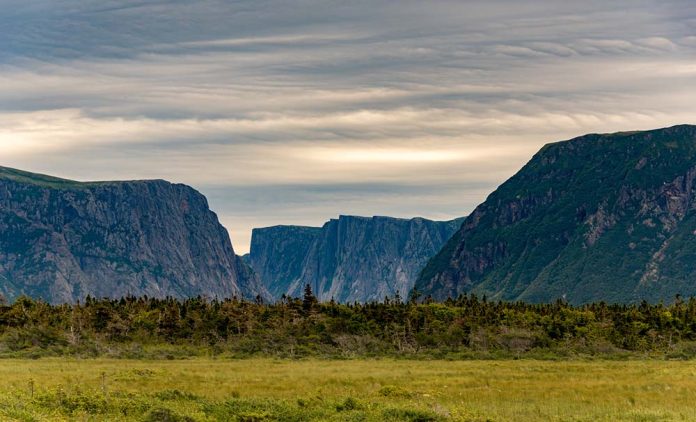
(349, 258)
(600, 217)
(62, 240)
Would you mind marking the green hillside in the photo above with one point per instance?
(600, 217)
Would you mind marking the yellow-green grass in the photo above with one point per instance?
(265, 389)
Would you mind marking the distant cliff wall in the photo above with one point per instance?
(349, 258)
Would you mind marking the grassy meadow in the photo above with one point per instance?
(346, 390)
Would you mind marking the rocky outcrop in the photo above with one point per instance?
(350, 258)
(62, 240)
(600, 217)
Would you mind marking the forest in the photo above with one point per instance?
(465, 327)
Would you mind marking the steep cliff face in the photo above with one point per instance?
(62, 240)
(349, 258)
(600, 217)
(277, 254)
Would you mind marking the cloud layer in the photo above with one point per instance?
(296, 111)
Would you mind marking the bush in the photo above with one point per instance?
(166, 415)
(394, 391)
(348, 404)
(411, 415)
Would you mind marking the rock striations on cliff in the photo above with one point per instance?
(607, 217)
(62, 240)
(349, 259)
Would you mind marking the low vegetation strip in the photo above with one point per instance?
(466, 328)
(346, 390)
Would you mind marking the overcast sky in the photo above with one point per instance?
(292, 112)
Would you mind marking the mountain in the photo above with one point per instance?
(277, 255)
(607, 217)
(349, 259)
(62, 240)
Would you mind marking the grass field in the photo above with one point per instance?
(350, 390)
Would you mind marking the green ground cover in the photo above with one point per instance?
(261, 389)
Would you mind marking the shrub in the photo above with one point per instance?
(166, 415)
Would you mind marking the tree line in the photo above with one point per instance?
(466, 327)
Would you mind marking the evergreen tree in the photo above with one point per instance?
(309, 301)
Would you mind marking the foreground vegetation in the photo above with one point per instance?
(348, 390)
(167, 360)
(465, 328)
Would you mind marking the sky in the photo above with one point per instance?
(293, 112)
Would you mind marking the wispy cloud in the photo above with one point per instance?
(294, 112)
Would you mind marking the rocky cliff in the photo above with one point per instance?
(277, 255)
(349, 258)
(62, 240)
(600, 217)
